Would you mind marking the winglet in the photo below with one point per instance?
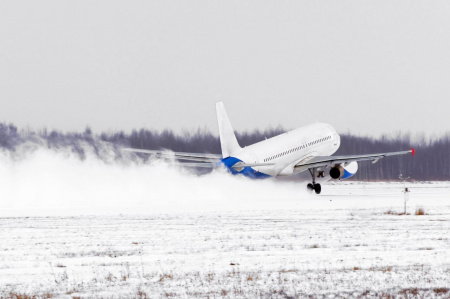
(413, 151)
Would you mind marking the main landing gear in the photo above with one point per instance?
(316, 187)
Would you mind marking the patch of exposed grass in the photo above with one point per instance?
(420, 212)
(288, 271)
(15, 295)
(141, 294)
(381, 269)
(441, 290)
(390, 212)
(110, 277)
(165, 277)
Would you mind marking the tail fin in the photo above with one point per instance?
(228, 140)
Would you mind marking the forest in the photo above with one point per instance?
(431, 161)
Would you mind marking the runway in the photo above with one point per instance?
(350, 241)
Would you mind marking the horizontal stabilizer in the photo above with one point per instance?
(199, 157)
(203, 165)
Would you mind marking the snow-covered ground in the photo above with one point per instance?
(71, 228)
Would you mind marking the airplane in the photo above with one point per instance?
(308, 148)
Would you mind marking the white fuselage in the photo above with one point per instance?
(287, 150)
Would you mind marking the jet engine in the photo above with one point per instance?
(344, 172)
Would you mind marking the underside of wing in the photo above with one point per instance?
(323, 161)
(197, 157)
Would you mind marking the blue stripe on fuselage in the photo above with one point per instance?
(247, 171)
(347, 174)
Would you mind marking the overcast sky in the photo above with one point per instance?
(366, 67)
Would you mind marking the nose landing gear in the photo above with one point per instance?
(316, 187)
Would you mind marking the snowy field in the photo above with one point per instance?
(109, 230)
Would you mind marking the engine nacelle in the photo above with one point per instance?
(337, 172)
(344, 172)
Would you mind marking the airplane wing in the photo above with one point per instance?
(321, 161)
(197, 157)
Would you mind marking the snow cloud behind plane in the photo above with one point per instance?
(365, 67)
(47, 182)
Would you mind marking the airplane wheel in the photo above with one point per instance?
(317, 188)
(310, 187)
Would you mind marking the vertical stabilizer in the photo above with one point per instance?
(228, 140)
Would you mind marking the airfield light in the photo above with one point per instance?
(405, 191)
(406, 197)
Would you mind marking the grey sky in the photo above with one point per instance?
(363, 66)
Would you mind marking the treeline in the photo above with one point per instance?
(431, 162)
